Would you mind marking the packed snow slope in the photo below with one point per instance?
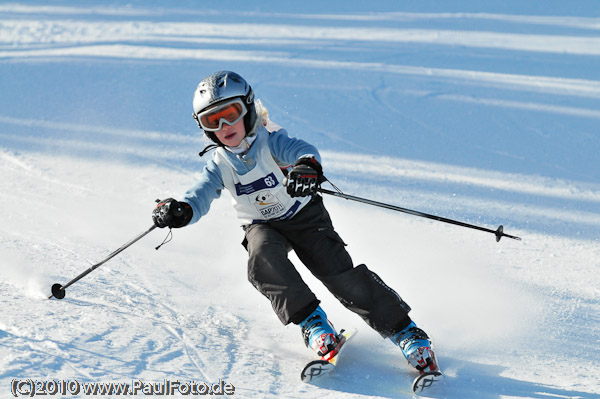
(485, 113)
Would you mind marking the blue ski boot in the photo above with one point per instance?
(319, 334)
(416, 347)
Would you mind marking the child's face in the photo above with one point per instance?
(232, 135)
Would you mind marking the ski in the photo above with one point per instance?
(426, 381)
(430, 375)
(320, 367)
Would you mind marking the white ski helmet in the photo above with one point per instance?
(221, 86)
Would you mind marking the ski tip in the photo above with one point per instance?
(315, 369)
(426, 381)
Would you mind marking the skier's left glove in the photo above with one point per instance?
(305, 177)
(172, 213)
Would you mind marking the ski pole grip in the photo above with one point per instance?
(174, 207)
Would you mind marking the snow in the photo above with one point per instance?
(477, 111)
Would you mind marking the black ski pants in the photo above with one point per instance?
(311, 235)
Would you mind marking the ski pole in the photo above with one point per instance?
(499, 232)
(58, 290)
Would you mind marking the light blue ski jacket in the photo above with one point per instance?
(284, 151)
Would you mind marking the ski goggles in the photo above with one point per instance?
(230, 112)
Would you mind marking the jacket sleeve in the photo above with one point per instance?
(289, 149)
(208, 188)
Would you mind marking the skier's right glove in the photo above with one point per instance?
(172, 213)
(305, 177)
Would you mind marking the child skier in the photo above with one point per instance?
(279, 209)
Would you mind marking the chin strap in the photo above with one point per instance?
(207, 149)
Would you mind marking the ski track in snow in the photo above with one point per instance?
(510, 319)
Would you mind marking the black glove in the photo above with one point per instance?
(305, 177)
(171, 213)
